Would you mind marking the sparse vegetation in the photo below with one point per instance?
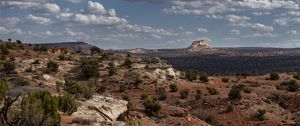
(52, 67)
(261, 114)
(235, 94)
(198, 94)
(184, 93)
(22, 82)
(9, 66)
(122, 88)
(274, 76)
(292, 86)
(89, 68)
(152, 107)
(67, 104)
(161, 93)
(203, 77)
(3, 89)
(112, 70)
(173, 88)
(191, 75)
(212, 91)
(225, 80)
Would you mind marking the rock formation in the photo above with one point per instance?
(198, 45)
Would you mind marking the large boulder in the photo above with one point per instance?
(100, 110)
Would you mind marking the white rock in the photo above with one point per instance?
(46, 77)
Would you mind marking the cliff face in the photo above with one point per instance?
(198, 45)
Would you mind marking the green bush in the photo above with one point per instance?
(161, 93)
(89, 68)
(184, 93)
(191, 75)
(235, 94)
(122, 88)
(3, 89)
(74, 88)
(225, 80)
(58, 85)
(274, 76)
(127, 63)
(152, 107)
(173, 88)
(67, 104)
(52, 66)
(40, 108)
(112, 70)
(212, 91)
(9, 66)
(198, 94)
(204, 77)
(261, 114)
(22, 82)
(293, 86)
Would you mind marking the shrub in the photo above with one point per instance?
(3, 89)
(67, 104)
(28, 70)
(74, 88)
(235, 94)
(9, 66)
(261, 114)
(152, 107)
(122, 88)
(22, 82)
(101, 88)
(89, 68)
(129, 104)
(173, 87)
(63, 57)
(274, 76)
(225, 80)
(58, 86)
(191, 75)
(184, 93)
(204, 77)
(161, 93)
(198, 94)
(40, 108)
(3, 50)
(229, 109)
(247, 90)
(95, 50)
(52, 66)
(297, 76)
(144, 96)
(127, 63)
(112, 70)
(293, 86)
(212, 91)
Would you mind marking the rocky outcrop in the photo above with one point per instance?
(100, 110)
(198, 45)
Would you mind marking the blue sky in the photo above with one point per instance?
(119, 24)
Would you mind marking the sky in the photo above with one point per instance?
(123, 24)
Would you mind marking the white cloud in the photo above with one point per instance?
(5, 31)
(18, 4)
(47, 8)
(95, 7)
(74, 1)
(261, 13)
(10, 21)
(202, 30)
(31, 19)
(112, 13)
(286, 21)
(261, 35)
(235, 32)
(204, 7)
(292, 32)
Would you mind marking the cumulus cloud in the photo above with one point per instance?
(202, 30)
(205, 7)
(5, 31)
(95, 7)
(286, 21)
(48, 8)
(31, 19)
(10, 21)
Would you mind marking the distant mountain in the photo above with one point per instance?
(73, 46)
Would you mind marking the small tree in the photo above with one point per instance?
(89, 68)
(40, 108)
(274, 76)
(173, 87)
(52, 66)
(9, 66)
(152, 107)
(3, 89)
(127, 62)
(112, 70)
(184, 93)
(235, 94)
(198, 94)
(191, 75)
(161, 93)
(67, 104)
(261, 114)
